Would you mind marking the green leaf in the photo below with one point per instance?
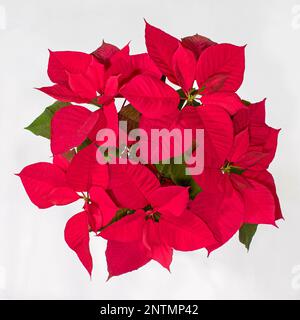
(246, 233)
(246, 103)
(195, 189)
(69, 155)
(121, 213)
(236, 170)
(176, 172)
(41, 125)
(131, 115)
(84, 144)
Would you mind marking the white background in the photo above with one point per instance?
(35, 262)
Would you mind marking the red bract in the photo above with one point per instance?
(209, 118)
(118, 62)
(46, 185)
(72, 125)
(218, 68)
(128, 66)
(235, 192)
(161, 221)
(91, 219)
(197, 44)
(158, 103)
(85, 78)
(77, 76)
(61, 183)
(84, 171)
(147, 210)
(105, 52)
(150, 96)
(78, 239)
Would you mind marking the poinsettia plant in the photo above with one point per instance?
(145, 209)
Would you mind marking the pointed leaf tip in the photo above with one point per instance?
(41, 125)
(246, 234)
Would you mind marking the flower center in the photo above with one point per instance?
(229, 168)
(85, 197)
(191, 96)
(151, 214)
